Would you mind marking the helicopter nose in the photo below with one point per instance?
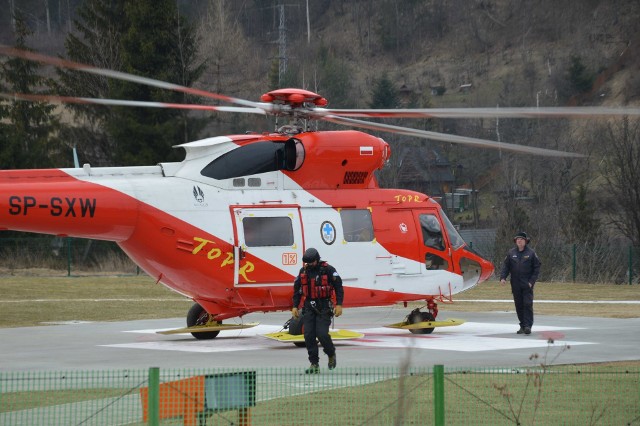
(487, 270)
(475, 269)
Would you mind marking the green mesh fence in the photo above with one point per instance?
(591, 263)
(556, 395)
(64, 254)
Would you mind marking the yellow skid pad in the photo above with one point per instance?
(202, 328)
(283, 336)
(426, 324)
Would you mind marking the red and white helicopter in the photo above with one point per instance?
(227, 226)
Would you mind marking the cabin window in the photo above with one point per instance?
(433, 261)
(431, 231)
(357, 225)
(267, 231)
(257, 157)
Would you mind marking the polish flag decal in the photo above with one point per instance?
(366, 150)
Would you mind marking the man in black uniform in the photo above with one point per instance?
(317, 282)
(524, 266)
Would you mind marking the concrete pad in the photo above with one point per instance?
(486, 339)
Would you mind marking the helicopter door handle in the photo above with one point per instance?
(242, 253)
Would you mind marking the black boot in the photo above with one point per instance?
(313, 369)
(332, 362)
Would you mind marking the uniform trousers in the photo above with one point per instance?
(316, 325)
(523, 299)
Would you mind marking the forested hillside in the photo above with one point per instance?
(358, 53)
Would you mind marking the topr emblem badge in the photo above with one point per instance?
(198, 194)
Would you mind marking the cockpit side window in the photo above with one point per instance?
(254, 158)
(431, 231)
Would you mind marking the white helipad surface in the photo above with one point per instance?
(468, 337)
(486, 339)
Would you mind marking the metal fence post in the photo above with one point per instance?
(154, 396)
(574, 262)
(630, 265)
(68, 256)
(438, 394)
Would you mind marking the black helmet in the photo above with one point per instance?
(522, 234)
(310, 255)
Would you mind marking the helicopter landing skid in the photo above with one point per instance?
(204, 328)
(425, 324)
(283, 336)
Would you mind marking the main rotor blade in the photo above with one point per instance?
(63, 63)
(119, 102)
(463, 140)
(533, 112)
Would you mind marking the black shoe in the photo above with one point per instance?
(313, 369)
(527, 330)
(521, 331)
(332, 362)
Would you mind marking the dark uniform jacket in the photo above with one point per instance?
(315, 275)
(524, 267)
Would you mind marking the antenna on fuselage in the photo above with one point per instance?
(76, 163)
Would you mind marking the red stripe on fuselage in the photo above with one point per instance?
(53, 202)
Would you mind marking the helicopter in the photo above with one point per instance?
(228, 225)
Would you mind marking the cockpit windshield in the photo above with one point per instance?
(454, 237)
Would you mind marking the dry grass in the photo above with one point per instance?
(36, 299)
(493, 290)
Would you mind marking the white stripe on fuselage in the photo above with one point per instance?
(174, 195)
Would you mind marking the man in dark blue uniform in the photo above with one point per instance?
(523, 265)
(317, 282)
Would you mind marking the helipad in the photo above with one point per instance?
(485, 339)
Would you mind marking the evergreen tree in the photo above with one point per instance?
(28, 130)
(580, 78)
(96, 40)
(146, 38)
(384, 94)
(585, 226)
(159, 44)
